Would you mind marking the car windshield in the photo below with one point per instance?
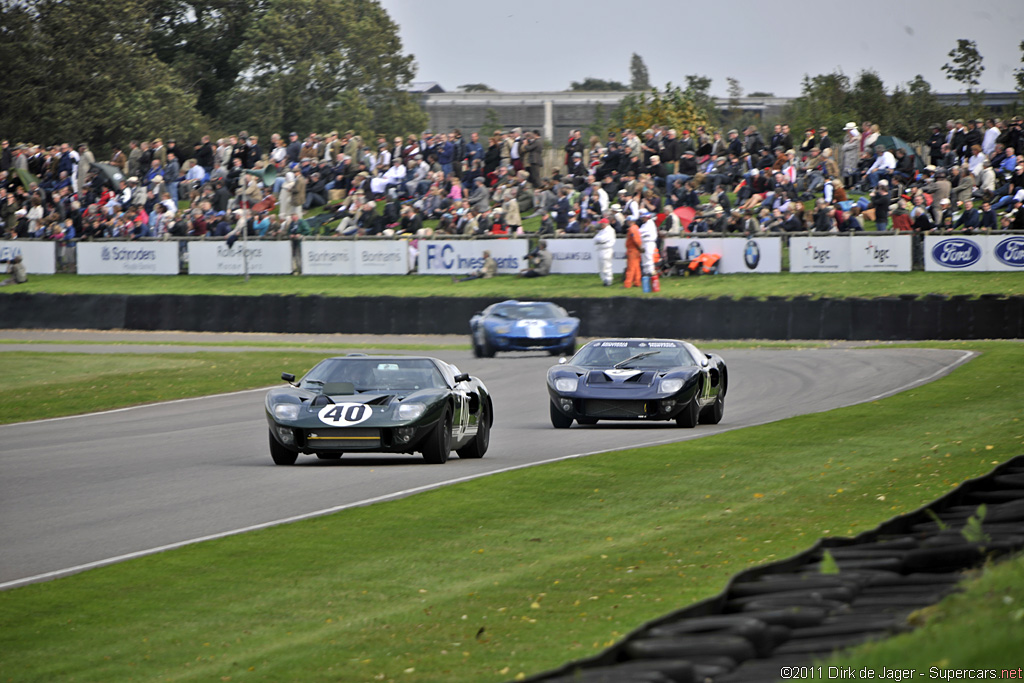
(539, 311)
(646, 355)
(375, 374)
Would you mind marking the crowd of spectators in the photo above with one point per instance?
(696, 182)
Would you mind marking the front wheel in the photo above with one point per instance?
(691, 413)
(280, 454)
(559, 420)
(439, 442)
(478, 446)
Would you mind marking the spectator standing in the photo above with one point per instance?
(533, 153)
(604, 242)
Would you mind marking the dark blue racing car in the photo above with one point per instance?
(638, 379)
(523, 326)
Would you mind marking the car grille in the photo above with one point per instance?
(534, 341)
(603, 408)
(341, 438)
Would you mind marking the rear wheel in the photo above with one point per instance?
(559, 419)
(691, 413)
(712, 415)
(280, 454)
(439, 442)
(478, 446)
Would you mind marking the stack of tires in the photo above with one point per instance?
(779, 617)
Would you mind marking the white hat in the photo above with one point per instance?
(850, 126)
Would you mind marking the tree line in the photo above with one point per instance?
(77, 70)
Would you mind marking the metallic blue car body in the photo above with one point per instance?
(523, 326)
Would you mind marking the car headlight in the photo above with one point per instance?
(409, 411)
(671, 386)
(286, 411)
(565, 329)
(565, 384)
(502, 329)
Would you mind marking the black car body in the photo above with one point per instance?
(638, 379)
(523, 326)
(383, 404)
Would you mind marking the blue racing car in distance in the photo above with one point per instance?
(523, 326)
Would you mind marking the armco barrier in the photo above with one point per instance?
(891, 318)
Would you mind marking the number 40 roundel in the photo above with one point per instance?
(345, 414)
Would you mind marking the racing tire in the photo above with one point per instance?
(477, 351)
(587, 420)
(478, 446)
(438, 443)
(691, 413)
(559, 420)
(280, 454)
(712, 415)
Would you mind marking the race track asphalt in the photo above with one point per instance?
(85, 491)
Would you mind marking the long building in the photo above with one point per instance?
(554, 114)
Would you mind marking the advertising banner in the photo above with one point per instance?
(328, 258)
(881, 253)
(440, 257)
(954, 252)
(754, 255)
(127, 258)
(575, 255)
(38, 257)
(381, 257)
(828, 254)
(1007, 252)
(739, 255)
(215, 258)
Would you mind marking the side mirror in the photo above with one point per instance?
(563, 360)
(464, 377)
(288, 377)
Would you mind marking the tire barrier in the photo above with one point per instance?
(930, 317)
(789, 613)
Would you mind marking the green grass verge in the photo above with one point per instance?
(500, 577)
(833, 285)
(46, 384)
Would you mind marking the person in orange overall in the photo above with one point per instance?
(634, 248)
(705, 262)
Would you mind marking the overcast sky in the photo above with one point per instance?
(542, 45)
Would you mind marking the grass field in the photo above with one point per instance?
(505, 576)
(816, 285)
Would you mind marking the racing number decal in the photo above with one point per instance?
(345, 414)
(462, 400)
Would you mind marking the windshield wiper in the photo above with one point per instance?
(643, 354)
